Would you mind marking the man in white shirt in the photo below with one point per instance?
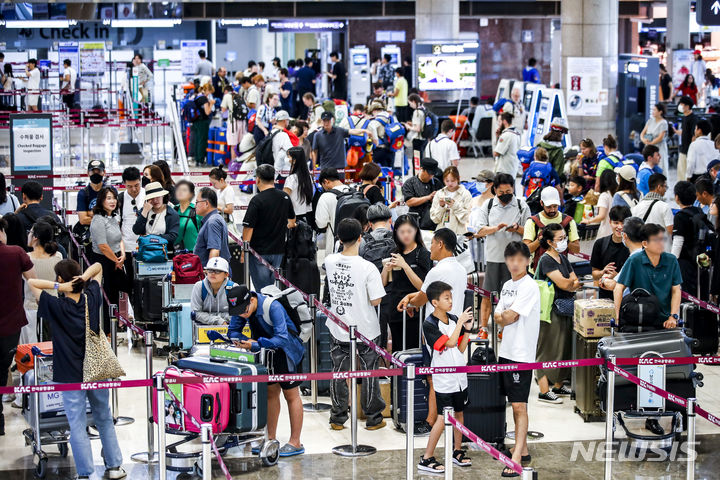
(67, 87)
(32, 74)
(355, 289)
(145, 76)
(281, 143)
(130, 204)
(653, 208)
(506, 159)
(325, 211)
(701, 151)
(518, 312)
(442, 148)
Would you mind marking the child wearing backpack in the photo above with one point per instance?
(540, 173)
(417, 133)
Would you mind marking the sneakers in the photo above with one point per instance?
(8, 397)
(564, 390)
(115, 473)
(377, 426)
(288, 450)
(336, 426)
(422, 428)
(549, 397)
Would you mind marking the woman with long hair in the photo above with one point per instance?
(688, 88)
(200, 127)
(369, 174)
(608, 187)
(265, 117)
(153, 173)
(68, 315)
(299, 184)
(8, 202)
(589, 161)
(451, 205)
(169, 184)
(655, 133)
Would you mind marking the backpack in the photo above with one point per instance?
(188, 269)
(263, 151)
(639, 311)
(565, 223)
(498, 106)
(359, 140)
(533, 201)
(430, 125)
(347, 203)
(252, 114)
(189, 111)
(705, 237)
(374, 250)
(204, 291)
(295, 306)
(152, 249)
(240, 110)
(538, 175)
(492, 199)
(300, 243)
(617, 162)
(394, 134)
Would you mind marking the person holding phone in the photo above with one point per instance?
(156, 218)
(451, 205)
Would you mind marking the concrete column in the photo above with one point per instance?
(678, 28)
(437, 19)
(590, 29)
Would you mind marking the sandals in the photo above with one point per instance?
(509, 473)
(430, 465)
(460, 459)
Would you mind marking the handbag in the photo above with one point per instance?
(564, 306)
(100, 362)
(547, 295)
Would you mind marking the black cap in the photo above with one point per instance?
(96, 164)
(429, 165)
(238, 298)
(327, 116)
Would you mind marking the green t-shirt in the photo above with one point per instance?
(639, 272)
(189, 227)
(605, 165)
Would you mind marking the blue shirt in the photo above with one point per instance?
(305, 76)
(213, 234)
(639, 272)
(531, 74)
(643, 176)
(274, 335)
(286, 103)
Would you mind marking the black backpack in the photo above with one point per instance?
(640, 312)
(263, 151)
(533, 202)
(347, 203)
(240, 109)
(430, 125)
(300, 243)
(705, 236)
(374, 250)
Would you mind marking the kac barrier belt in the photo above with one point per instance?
(509, 462)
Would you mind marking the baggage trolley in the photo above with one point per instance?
(49, 427)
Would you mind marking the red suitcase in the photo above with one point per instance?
(25, 360)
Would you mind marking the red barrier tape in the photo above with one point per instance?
(481, 291)
(509, 462)
(67, 387)
(668, 361)
(648, 386)
(512, 367)
(288, 377)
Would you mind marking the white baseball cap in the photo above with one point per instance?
(550, 196)
(218, 263)
(282, 115)
(627, 172)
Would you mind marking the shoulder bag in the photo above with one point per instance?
(100, 363)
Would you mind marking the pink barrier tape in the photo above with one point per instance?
(707, 415)
(289, 377)
(668, 361)
(648, 386)
(68, 387)
(701, 303)
(480, 291)
(584, 256)
(195, 422)
(512, 367)
(494, 452)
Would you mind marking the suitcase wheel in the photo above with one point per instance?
(270, 452)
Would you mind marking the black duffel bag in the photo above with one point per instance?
(640, 312)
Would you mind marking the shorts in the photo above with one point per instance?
(32, 100)
(457, 400)
(496, 274)
(515, 385)
(279, 366)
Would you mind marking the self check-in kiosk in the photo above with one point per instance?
(545, 105)
(394, 52)
(359, 65)
(637, 92)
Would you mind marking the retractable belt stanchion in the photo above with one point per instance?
(160, 394)
(246, 256)
(119, 421)
(447, 412)
(314, 406)
(205, 432)
(353, 450)
(149, 456)
(691, 418)
(609, 417)
(410, 421)
(494, 332)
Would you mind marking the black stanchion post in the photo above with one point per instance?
(691, 453)
(447, 413)
(494, 332)
(609, 416)
(410, 421)
(149, 456)
(314, 406)
(119, 421)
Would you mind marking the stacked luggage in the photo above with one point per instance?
(217, 146)
(485, 414)
(149, 292)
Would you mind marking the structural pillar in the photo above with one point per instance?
(590, 29)
(678, 28)
(437, 19)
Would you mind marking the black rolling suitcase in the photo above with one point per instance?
(236, 266)
(702, 325)
(485, 413)
(398, 388)
(324, 363)
(147, 302)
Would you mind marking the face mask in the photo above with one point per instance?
(144, 181)
(505, 198)
(681, 108)
(481, 187)
(562, 245)
(96, 178)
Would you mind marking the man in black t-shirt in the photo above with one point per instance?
(419, 192)
(665, 84)
(609, 253)
(689, 121)
(685, 238)
(269, 215)
(338, 74)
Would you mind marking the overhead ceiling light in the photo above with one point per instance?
(146, 23)
(39, 23)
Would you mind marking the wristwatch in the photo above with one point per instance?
(675, 316)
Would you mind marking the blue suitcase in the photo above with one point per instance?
(248, 401)
(220, 147)
(324, 363)
(180, 325)
(212, 136)
(398, 387)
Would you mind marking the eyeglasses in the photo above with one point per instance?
(213, 272)
(152, 219)
(200, 201)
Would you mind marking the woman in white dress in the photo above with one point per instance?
(655, 133)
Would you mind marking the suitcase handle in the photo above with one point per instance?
(251, 399)
(219, 404)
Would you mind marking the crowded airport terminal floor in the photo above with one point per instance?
(360, 239)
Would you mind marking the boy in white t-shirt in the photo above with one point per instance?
(355, 289)
(518, 312)
(446, 339)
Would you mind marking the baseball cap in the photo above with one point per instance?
(377, 212)
(485, 176)
(374, 106)
(282, 115)
(429, 165)
(627, 172)
(571, 153)
(550, 196)
(559, 124)
(99, 164)
(218, 263)
(238, 298)
(327, 116)
(712, 164)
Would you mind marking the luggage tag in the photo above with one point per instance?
(654, 375)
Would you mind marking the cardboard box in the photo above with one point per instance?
(592, 317)
(384, 392)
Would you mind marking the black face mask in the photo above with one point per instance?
(96, 178)
(144, 181)
(505, 198)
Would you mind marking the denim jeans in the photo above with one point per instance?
(371, 400)
(79, 441)
(261, 275)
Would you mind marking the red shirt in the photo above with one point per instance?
(14, 261)
(690, 91)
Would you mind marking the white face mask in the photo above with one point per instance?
(681, 108)
(562, 245)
